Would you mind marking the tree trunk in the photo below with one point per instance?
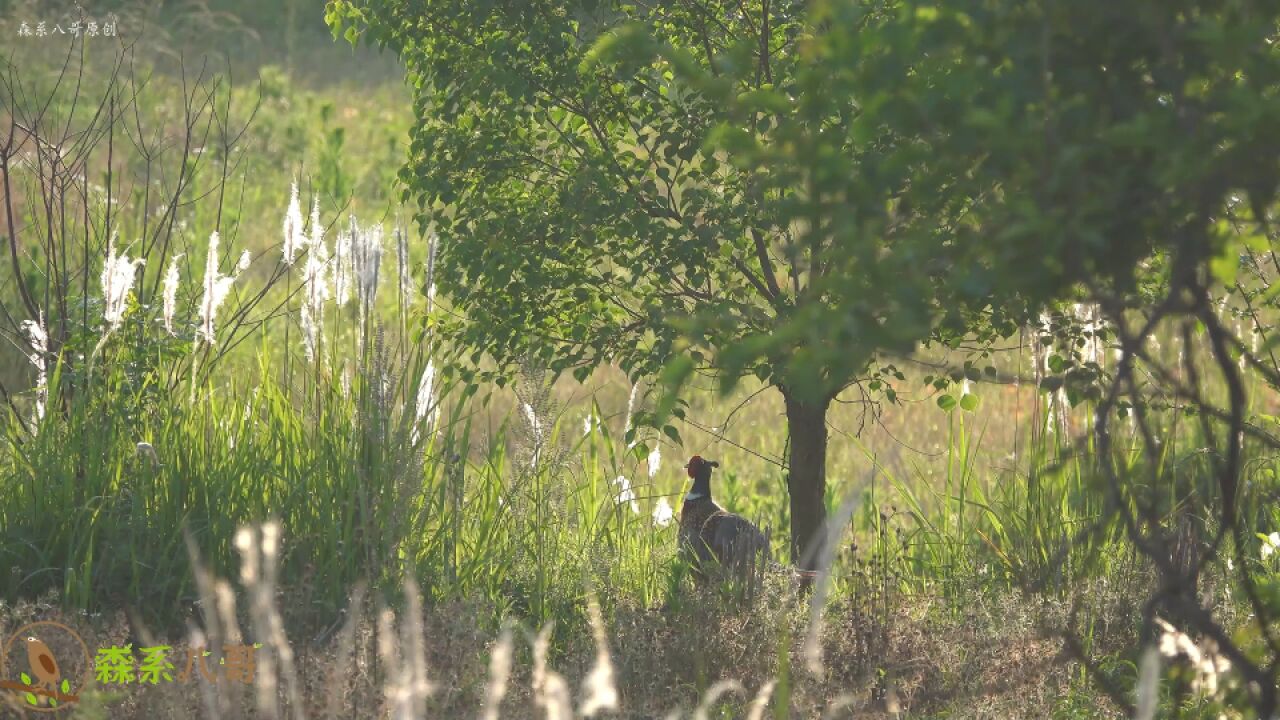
(807, 482)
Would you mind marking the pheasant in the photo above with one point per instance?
(709, 533)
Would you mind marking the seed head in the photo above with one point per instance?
(663, 513)
(38, 338)
(117, 282)
(294, 238)
(171, 293)
(216, 287)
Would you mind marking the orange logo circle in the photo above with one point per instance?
(54, 655)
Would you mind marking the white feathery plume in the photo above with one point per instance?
(427, 406)
(1206, 662)
(1095, 343)
(433, 246)
(631, 404)
(342, 264)
(712, 696)
(171, 293)
(402, 260)
(655, 461)
(1238, 335)
(117, 281)
(426, 393)
(315, 278)
(625, 494)
(414, 641)
(761, 701)
(499, 674)
(294, 238)
(599, 686)
(367, 258)
(1269, 545)
(534, 422)
(663, 513)
(317, 230)
(216, 287)
(1089, 325)
(550, 690)
(39, 339)
(1042, 370)
(535, 426)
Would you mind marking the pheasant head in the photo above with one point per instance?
(700, 470)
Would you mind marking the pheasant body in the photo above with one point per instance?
(709, 534)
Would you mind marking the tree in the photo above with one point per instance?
(622, 183)
(1127, 154)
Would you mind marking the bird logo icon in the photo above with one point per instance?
(43, 664)
(57, 664)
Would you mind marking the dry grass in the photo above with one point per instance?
(981, 655)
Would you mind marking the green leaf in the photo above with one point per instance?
(1225, 266)
(673, 375)
(765, 101)
(969, 402)
(947, 402)
(671, 432)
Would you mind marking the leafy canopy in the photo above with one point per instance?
(788, 188)
(643, 184)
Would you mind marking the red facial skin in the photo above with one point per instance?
(694, 462)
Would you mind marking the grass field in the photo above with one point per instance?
(400, 549)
